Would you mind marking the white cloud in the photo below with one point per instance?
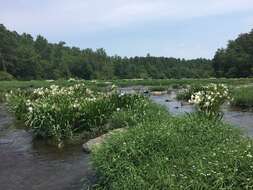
(92, 15)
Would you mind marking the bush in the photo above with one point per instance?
(186, 94)
(210, 98)
(175, 153)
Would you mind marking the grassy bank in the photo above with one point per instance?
(176, 153)
(243, 97)
(8, 85)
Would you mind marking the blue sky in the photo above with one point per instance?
(177, 28)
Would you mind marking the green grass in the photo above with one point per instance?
(8, 85)
(181, 82)
(243, 97)
(166, 152)
(174, 83)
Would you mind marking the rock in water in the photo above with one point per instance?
(89, 145)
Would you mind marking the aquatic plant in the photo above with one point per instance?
(210, 98)
(60, 112)
(186, 94)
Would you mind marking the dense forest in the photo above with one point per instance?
(26, 58)
(23, 57)
(237, 59)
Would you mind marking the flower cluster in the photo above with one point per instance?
(210, 98)
(57, 112)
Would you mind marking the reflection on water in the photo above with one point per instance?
(28, 165)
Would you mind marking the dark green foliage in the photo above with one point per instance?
(27, 58)
(237, 59)
(5, 76)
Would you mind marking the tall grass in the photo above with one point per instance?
(59, 113)
(243, 97)
(176, 153)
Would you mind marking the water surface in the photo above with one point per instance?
(26, 164)
(236, 117)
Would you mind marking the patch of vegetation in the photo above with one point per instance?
(243, 97)
(175, 83)
(5, 76)
(185, 95)
(61, 112)
(176, 153)
(236, 59)
(209, 100)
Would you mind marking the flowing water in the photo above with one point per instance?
(26, 164)
(32, 165)
(236, 117)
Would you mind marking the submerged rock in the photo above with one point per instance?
(89, 145)
(158, 93)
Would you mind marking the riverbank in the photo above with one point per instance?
(176, 153)
(144, 156)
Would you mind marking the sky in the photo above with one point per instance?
(172, 28)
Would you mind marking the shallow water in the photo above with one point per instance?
(32, 165)
(238, 118)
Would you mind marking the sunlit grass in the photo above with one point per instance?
(176, 153)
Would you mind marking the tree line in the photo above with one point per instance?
(26, 58)
(236, 60)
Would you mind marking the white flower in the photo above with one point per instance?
(207, 104)
(121, 94)
(76, 105)
(118, 109)
(30, 109)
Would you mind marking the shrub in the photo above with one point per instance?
(186, 94)
(175, 153)
(210, 98)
